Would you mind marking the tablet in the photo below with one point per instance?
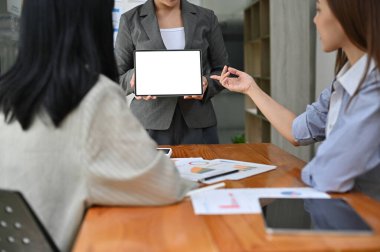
(312, 216)
(168, 72)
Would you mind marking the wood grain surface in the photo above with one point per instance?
(177, 228)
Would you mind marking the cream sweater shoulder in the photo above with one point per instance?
(100, 154)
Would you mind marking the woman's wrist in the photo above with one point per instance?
(253, 88)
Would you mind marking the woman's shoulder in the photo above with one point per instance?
(373, 77)
(105, 82)
(371, 83)
(104, 90)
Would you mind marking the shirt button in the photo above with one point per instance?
(11, 239)
(25, 240)
(3, 224)
(8, 209)
(17, 225)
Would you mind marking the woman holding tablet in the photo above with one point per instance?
(68, 139)
(173, 24)
(347, 114)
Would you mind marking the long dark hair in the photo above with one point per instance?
(64, 46)
(360, 20)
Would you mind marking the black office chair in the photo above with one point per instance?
(20, 229)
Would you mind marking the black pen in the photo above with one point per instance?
(219, 175)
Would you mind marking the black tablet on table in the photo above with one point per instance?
(303, 216)
(168, 72)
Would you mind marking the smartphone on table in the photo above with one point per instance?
(168, 151)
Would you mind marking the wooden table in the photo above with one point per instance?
(177, 228)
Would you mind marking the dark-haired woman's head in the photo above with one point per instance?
(64, 46)
(343, 23)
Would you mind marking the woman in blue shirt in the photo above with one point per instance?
(347, 114)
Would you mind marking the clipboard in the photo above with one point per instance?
(168, 72)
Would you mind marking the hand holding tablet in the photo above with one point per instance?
(198, 97)
(146, 98)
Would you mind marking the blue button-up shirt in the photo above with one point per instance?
(350, 156)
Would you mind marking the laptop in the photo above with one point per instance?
(168, 72)
(311, 216)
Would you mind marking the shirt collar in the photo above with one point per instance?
(349, 76)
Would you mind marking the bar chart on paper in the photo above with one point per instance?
(200, 170)
(196, 169)
(232, 205)
(223, 201)
(245, 201)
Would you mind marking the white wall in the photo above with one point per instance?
(14, 6)
(291, 75)
(324, 72)
(292, 62)
(226, 9)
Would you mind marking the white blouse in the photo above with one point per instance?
(348, 79)
(174, 38)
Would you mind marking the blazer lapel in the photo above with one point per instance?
(150, 24)
(189, 15)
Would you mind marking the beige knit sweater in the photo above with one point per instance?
(99, 155)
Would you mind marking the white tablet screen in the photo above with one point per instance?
(168, 73)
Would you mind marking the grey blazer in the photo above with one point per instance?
(139, 30)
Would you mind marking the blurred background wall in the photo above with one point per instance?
(299, 70)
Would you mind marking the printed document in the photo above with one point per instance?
(245, 201)
(196, 169)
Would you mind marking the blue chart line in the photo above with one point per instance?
(291, 193)
(198, 163)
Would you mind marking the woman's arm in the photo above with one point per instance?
(124, 167)
(217, 56)
(280, 117)
(124, 55)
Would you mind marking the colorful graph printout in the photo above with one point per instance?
(200, 170)
(196, 169)
(233, 205)
(246, 169)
